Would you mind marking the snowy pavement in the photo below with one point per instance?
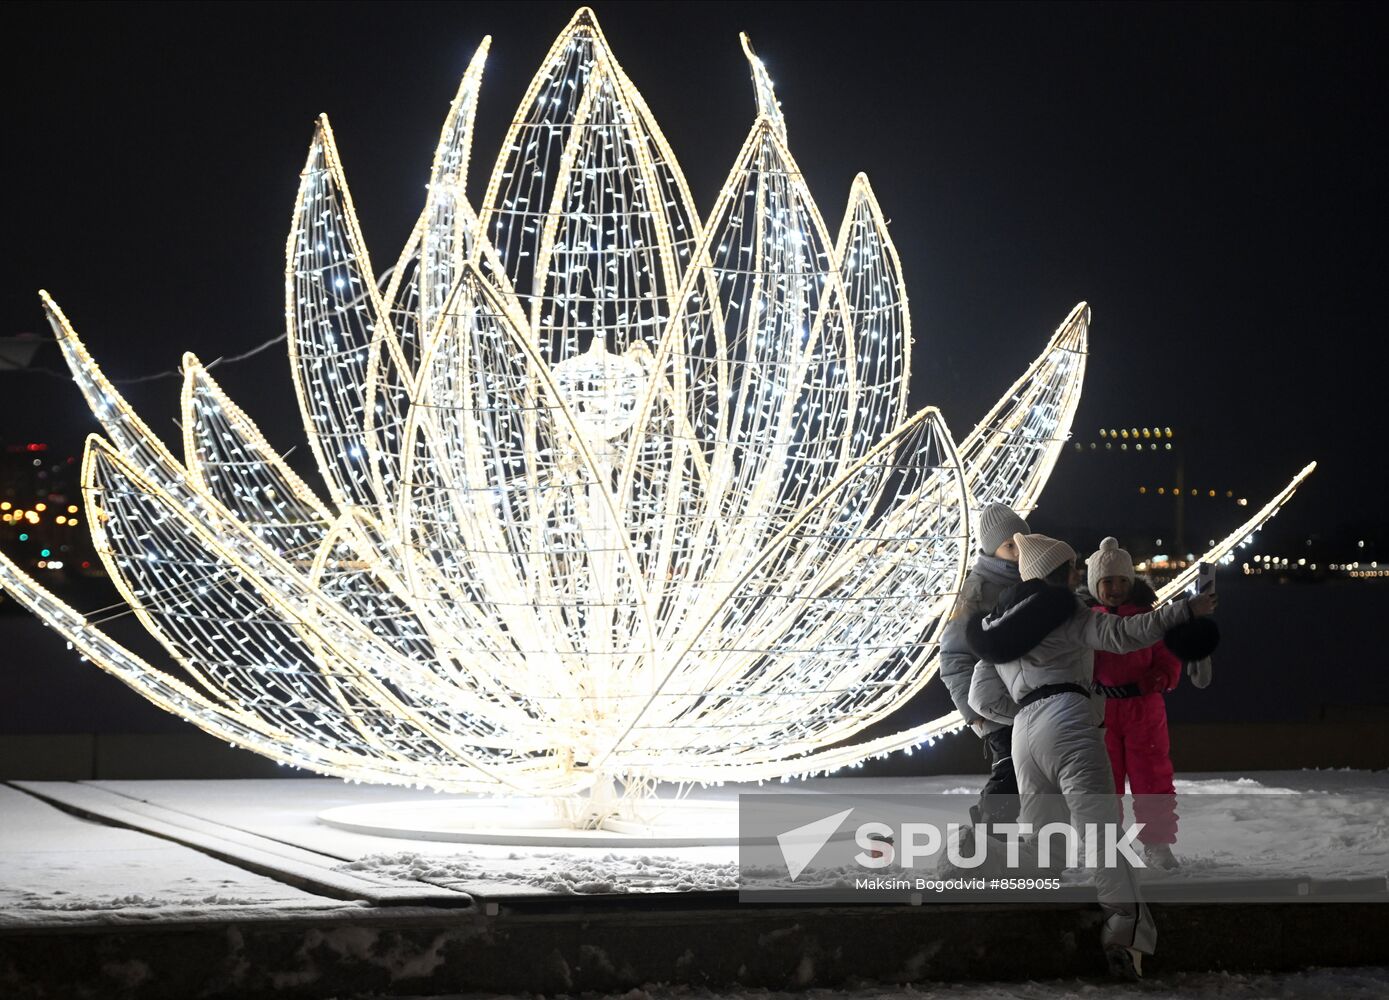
(1316, 824)
(239, 874)
(59, 869)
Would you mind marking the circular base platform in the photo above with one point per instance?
(534, 823)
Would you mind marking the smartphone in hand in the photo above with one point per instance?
(1205, 578)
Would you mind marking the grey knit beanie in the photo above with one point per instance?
(1038, 555)
(1109, 560)
(997, 524)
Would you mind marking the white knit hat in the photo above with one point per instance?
(1038, 555)
(1109, 560)
(997, 524)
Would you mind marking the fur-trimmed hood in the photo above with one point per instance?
(1142, 594)
(1193, 640)
(1026, 614)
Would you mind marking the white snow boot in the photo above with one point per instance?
(1127, 935)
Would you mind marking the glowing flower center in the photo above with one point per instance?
(602, 390)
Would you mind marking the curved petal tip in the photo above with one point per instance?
(767, 105)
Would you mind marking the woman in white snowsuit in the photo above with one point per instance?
(1036, 652)
(994, 571)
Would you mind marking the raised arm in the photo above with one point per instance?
(1126, 635)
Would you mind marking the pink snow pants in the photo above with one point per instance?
(1135, 734)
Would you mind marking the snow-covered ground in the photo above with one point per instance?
(1315, 824)
(59, 869)
(1318, 824)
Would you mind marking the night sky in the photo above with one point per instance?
(1208, 177)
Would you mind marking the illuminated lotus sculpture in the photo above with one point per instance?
(613, 495)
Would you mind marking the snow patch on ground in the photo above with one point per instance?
(37, 901)
(1232, 828)
(558, 872)
(60, 869)
(1228, 786)
(1317, 824)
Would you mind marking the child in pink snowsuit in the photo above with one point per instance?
(1135, 716)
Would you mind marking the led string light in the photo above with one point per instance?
(1223, 552)
(613, 493)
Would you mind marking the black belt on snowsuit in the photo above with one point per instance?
(1047, 690)
(1119, 690)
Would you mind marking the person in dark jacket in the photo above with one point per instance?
(1036, 667)
(993, 572)
(1135, 716)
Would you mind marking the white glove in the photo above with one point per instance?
(1200, 672)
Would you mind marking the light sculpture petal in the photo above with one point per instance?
(449, 226)
(229, 460)
(876, 297)
(228, 623)
(1223, 550)
(130, 435)
(333, 310)
(867, 605)
(770, 410)
(587, 208)
(1009, 455)
(422, 279)
(226, 722)
(768, 106)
